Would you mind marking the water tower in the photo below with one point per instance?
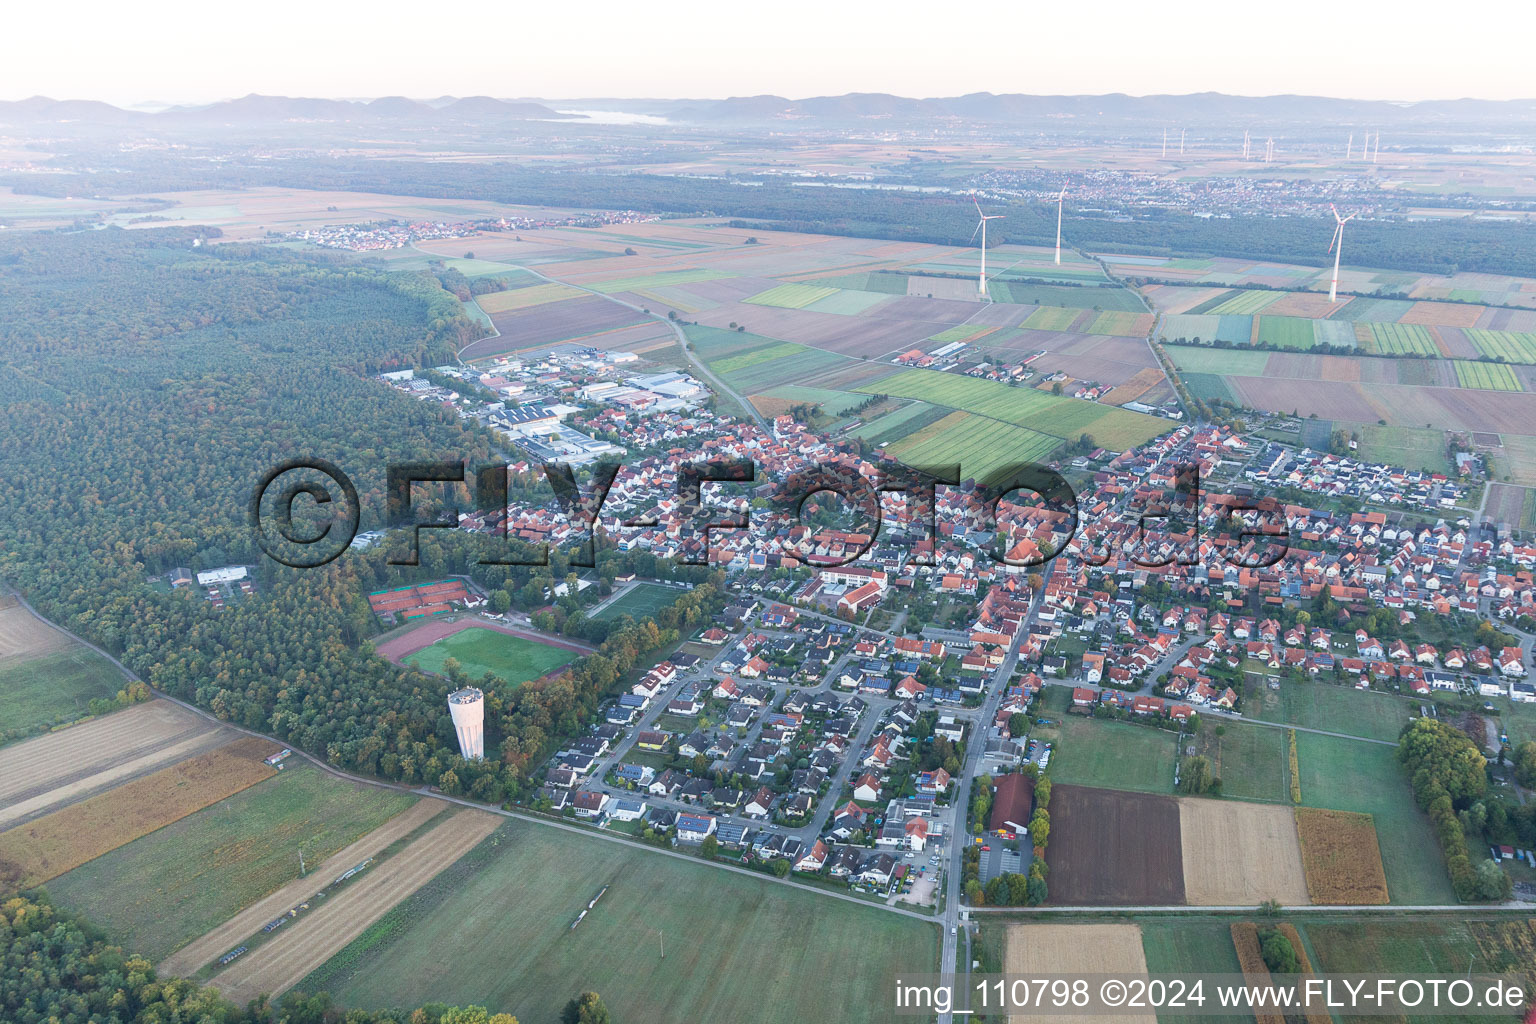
(467, 706)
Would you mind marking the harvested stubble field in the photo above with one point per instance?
(1112, 848)
(1341, 857)
(523, 298)
(209, 946)
(33, 853)
(277, 965)
(1245, 939)
(1240, 854)
(23, 635)
(181, 881)
(1035, 950)
(146, 734)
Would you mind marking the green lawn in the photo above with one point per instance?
(641, 601)
(1350, 775)
(1251, 760)
(480, 650)
(53, 690)
(165, 889)
(1330, 707)
(495, 930)
(1109, 754)
(1188, 946)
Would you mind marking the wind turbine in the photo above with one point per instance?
(1058, 223)
(1349, 152)
(981, 225)
(1337, 248)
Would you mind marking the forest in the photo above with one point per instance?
(148, 383)
(1433, 246)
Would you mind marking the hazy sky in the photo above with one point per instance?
(197, 52)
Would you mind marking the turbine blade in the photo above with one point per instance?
(974, 231)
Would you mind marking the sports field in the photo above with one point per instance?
(480, 650)
(172, 885)
(642, 601)
(495, 930)
(1350, 775)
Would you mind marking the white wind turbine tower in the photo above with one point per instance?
(1349, 152)
(1337, 248)
(1058, 223)
(981, 225)
(1182, 132)
(1165, 143)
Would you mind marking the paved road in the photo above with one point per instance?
(996, 688)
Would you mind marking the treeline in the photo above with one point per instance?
(1434, 246)
(1449, 773)
(59, 969)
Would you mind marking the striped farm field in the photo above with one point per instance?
(1051, 318)
(1122, 325)
(978, 444)
(893, 426)
(1037, 410)
(1513, 346)
(763, 354)
(1245, 302)
(658, 280)
(522, 298)
(790, 296)
(1486, 376)
(1399, 340)
(961, 332)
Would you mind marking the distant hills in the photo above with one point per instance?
(1020, 108)
(980, 108)
(257, 109)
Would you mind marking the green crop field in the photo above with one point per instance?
(657, 280)
(1236, 361)
(885, 283)
(1401, 339)
(718, 342)
(1121, 324)
(1486, 376)
(1330, 707)
(480, 650)
(1051, 318)
(1410, 447)
(495, 930)
(1108, 754)
(642, 601)
(1245, 302)
(1185, 946)
(791, 363)
(977, 444)
(1027, 293)
(1354, 775)
(832, 402)
(1210, 387)
(1024, 407)
(790, 296)
(1286, 332)
(899, 423)
(847, 302)
(959, 332)
(165, 889)
(53, 690)
(758, 354)
(1252, 761)
(1512, 346)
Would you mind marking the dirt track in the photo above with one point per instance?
(1240, 854)
(209, 947)
(37, 766)
(280, 963)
